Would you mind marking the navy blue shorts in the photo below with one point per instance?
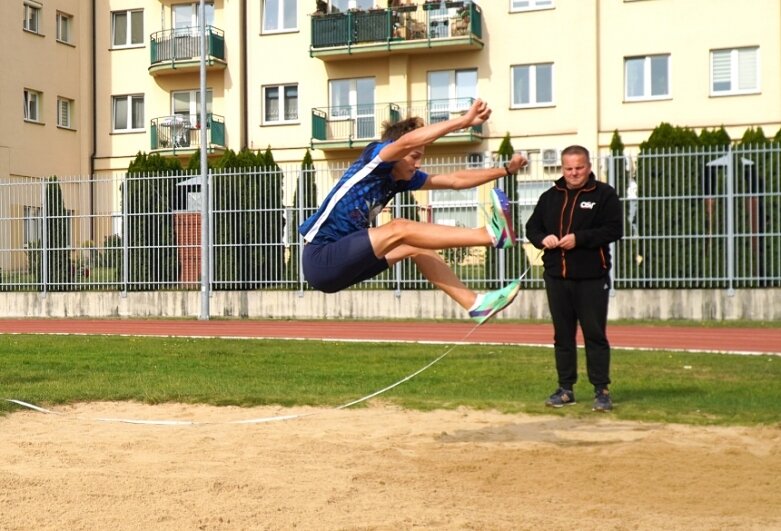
(334, 266)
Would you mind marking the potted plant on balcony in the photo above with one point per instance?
(405, 8)
(398, 7)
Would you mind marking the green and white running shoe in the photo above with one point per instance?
(494, 302)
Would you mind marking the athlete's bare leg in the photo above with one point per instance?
(436, 271)
(401, 231)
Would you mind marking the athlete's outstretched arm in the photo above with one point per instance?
(462, 179)
(477, 114)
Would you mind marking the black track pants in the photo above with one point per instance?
(584, 301)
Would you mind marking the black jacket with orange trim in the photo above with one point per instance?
(592, 213)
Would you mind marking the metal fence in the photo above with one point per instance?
(707, 219)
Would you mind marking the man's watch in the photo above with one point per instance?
(507, 170)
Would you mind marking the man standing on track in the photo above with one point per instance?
(343, 247)
(574, 222)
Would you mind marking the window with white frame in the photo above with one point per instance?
(529, 5)
(735, 71)
(532, 85)
(32, 105)
(528, 194)
(185, 16)
(64, 113)
(127, 28)
(32, 16)
(450, 92)
(187, 104)
(64, 28)
(128, 112)
(647, 77)
(457, 208)
(280, 103)
(337, 6)
(280, 15)
(352, 107)
(31, 225)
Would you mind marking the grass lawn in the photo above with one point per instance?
(663, 386)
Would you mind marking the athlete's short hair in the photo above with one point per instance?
(394, 130)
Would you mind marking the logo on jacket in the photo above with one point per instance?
(588, 205)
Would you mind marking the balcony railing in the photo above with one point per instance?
(182, 133)
(180, 48)
(455, 25)
(355, 126)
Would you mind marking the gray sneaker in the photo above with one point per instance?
(561, 397)
(602, 401)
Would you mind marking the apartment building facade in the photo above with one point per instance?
(104, 80)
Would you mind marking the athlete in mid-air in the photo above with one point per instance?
(342, 248)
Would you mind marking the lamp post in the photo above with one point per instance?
(205, 201)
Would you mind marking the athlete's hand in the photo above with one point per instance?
(517, 162)
(477, 113)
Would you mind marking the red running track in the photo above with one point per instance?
(738, 340)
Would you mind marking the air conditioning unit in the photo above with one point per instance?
(551, 158)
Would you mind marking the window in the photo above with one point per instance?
(529, 5)
(280, 103)
(532, 85)
(128, 113)
(32, 226)
(64, 112)
(457, 208)
(450, 92)
(735, 71)
(337, 6)
(279, 15)
(647, 77)
(64, 28)
(528, 194)
(352, 100)
(127, 28)
(32, 17)
(185, 16)
(32, 105)
(187, 103)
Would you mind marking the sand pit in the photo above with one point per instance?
(379, 468)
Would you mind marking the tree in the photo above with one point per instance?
(272, 220)
(153, 258)
(755, 166)
(668, 167)
(304, 205)
(236, 209)
(53, 250)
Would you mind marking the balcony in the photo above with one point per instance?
(179, 50)
(413, 28)
(356, 126)
(180, 134)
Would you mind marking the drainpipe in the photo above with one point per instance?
(245, 82)
(93, 147)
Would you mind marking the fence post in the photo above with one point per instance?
(397, 267)
(611, 180)
(125, 235)
(730, 223)
(299, 220)
(44, 239)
